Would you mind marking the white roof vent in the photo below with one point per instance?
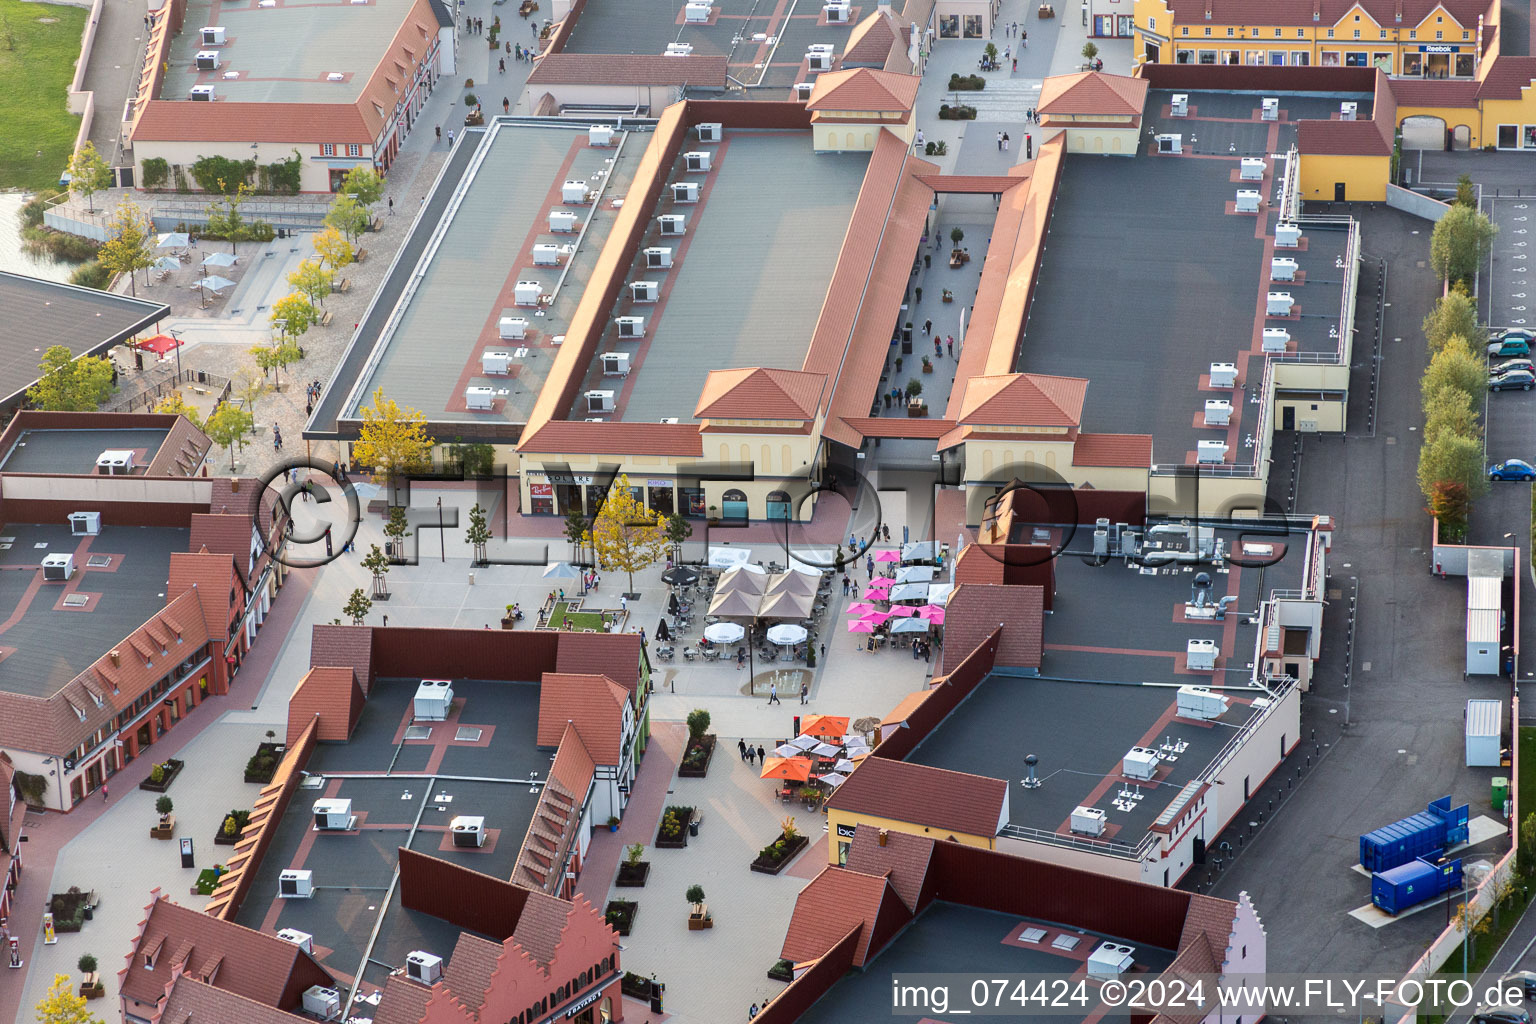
(698, 161)
(335, 76)
(116, 461)
(562, 221)
(85, 524)
(1282, 268)
(803, 90)
(1180, 105)
(1279, 304)
(1248, 200)
(546, 255)
(573, 192)
(1223, 375)
(1218, 412)
(1348, 111)
(230, 75)
(671, 223)
(697, 14)
(333, 815)
(1139, 763)
(1270, 108)
(644, 291)
(1201, 655)
(1275, 339)
(658, 258)
(58, 567)
(526, 293)
(599, 135)
(711, 131)
(1210, 453)
(615, 364)
(678, 50)
(1252, 169)
(266, 3)
(296, 884)
(494, 362)
(468, 830)
(685, 191)
(1200, 703)
(303, 940)
(1287, 236)
(434, 697)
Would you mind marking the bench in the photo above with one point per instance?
(198, 389)
(325, 320)
(359, 255)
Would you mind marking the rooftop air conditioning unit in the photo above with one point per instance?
(803, 90)
(526, 293)
(336, 76)
(303, 940)
(819, 61)
(615, 364)
(513, 328)
(562, 222)
(644, 291)
(84, 524)
(1223, 375)
(700, 160)
(433, 698)
(600, 135)
(58, 567)
(1251, 169)
(1348, 110)
(572, 192)
(1200, 703)
(1170, 143)
(697, 14)
(206, 60)
(1279, 304)
(1110, 960)
(631, 326)
(1287, 236)
(656, 258)
(1248, 200)
(481, 399)
(468, 831)
(295, 884)
(671, 224)
(1282, 268)
(1269, 109)
(1179, 106)
(667, 419)
(203, 93)
(333, 815)
(713, 131)
(213, 35)
(1201, 655)
(493, 362)
(321, 1002)
(679, 50)
(424, 967)
(1275, 340)
(1210, 453)
(1088, 821)
(837, 13)
(685, 191)
(599, 401)
(546, 255)
(825, 48)
(1139, 763)
(1218, 412)
(115, 462)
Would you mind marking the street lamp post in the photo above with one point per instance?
(177, 336)
(442, 538)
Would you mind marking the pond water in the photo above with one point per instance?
(12, 257)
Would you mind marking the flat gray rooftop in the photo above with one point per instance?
(75, 451)
(42, 313)
(1150, 322)
(464, 283)
(352, 869)
(750, 274)
(948, 938)
(43, 645)
(337, 37)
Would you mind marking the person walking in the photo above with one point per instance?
(1005, 142)
(1007, 52)
(927, 328)
(450, 138)
(869, 566)
(506, 105)
(623, 602)
(501, 66)
(439, 131)
(805, 691)
(950, 341)
(917, 140)
(762, 755)
(751, 755)
(999, 142)
(1029, 146)
(103, 792)
(391, 206)
(741, 745)
(773, 693)
(845, 584)
(1015, 63)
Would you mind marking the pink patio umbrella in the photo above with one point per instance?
(933, 613)
(876, 618)
(861, 626)
(903, 609)
(860, 608)
(888, 556)
(875, 594)
(881, 583)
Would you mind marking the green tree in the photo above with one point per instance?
(126, 249)
(348, 216)
(333, 249)
(394, 530)
(695, 894)
(1452, 459)
(67, 384)
(225, 219)
(312, 280)
(1466, 192)
(626, 535)
(61, 1005)
(175, 405)
(1090, 51)
(229, 426)
(1450, 409)
(678, 531)
(250, 387)
(1460, 243)
(1528, 842)
(276, 358)
(576, 531)
(88, 174)
(393, 439)
(296, 313)
(357, 607)
(1448, 503)
(365, 183)
(377, 563)
(1454, 315)
(479, 534)
(698, 723)
(1454, 366)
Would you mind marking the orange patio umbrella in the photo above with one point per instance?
(831, 726)
(790, 769)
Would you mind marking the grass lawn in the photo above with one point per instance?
(1526, 783)
(578, 620)
(39, 44)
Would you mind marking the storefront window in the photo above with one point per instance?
(1184, 56)
(973, 29)
(541, 499)
(1382, 61)
(1207, 56)
(949, 26)
(1330, 59)
(661, 499)
(1277, 58)
(1254, 57)
(1229, 57)
(1528, 136)
(693, 501)
(1300, 59)
(1356, 59)
(1413, 64)
(1466, 65)
(595, 495)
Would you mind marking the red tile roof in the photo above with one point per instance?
(615, 438)
(615, 655)
(212, 577)
(540, 926)
(192, 1002)
(351, 646)
(1094, 92)
(976, 609)
(1113, 450)
(469, 970)
(975, 184)
(1436, 92)
(760, 393)
(556, 817)
(182, 451)
(1299, 12)
(331, 695)
(228, 534)
(1024, 400)
(892, 426)
(404, 1001)
(181, 120)
(980, 563)
(864, 89)
(1508, 79)
(705, 72)
(943, 800)
(871, 40)
(902, 859)
(904, 707)
(835, 902)
(1371, 137)
(594, 704)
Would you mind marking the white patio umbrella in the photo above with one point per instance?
(561, 571)
(738, 604)
(910, 626)
(938, 593)
(724, 632)
(787, 633)
(791, 583)
(808, 568)
(787, 750)
(844, 765)
(786, 606)
(214, 283)
(916, 574)
(166, 263)
(919, 550)
(804, 742)
(173, 239)
(726, 558)
(910, 592)
(219, 259)
(742, 580)
(825, 750)
(833, 779)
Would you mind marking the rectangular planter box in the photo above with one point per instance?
(633, 878)
(684, 771)
(626, 907)
(172, 771)
(681, 839)
(166, 831)
(792, 849)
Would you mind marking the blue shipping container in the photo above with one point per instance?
(1430, 832)
(1411, 884)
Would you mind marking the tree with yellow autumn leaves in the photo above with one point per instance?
(625, 535)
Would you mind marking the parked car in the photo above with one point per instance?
(1514, 469)
(1514, 380)
(1509, 348)
(1525, 979)
(1501, 1015)
(1527, 365)
(1517, 334)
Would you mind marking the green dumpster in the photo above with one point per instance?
(1500, 792)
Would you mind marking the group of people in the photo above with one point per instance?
(751, 755)
(1012, 29)
(476, 26)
